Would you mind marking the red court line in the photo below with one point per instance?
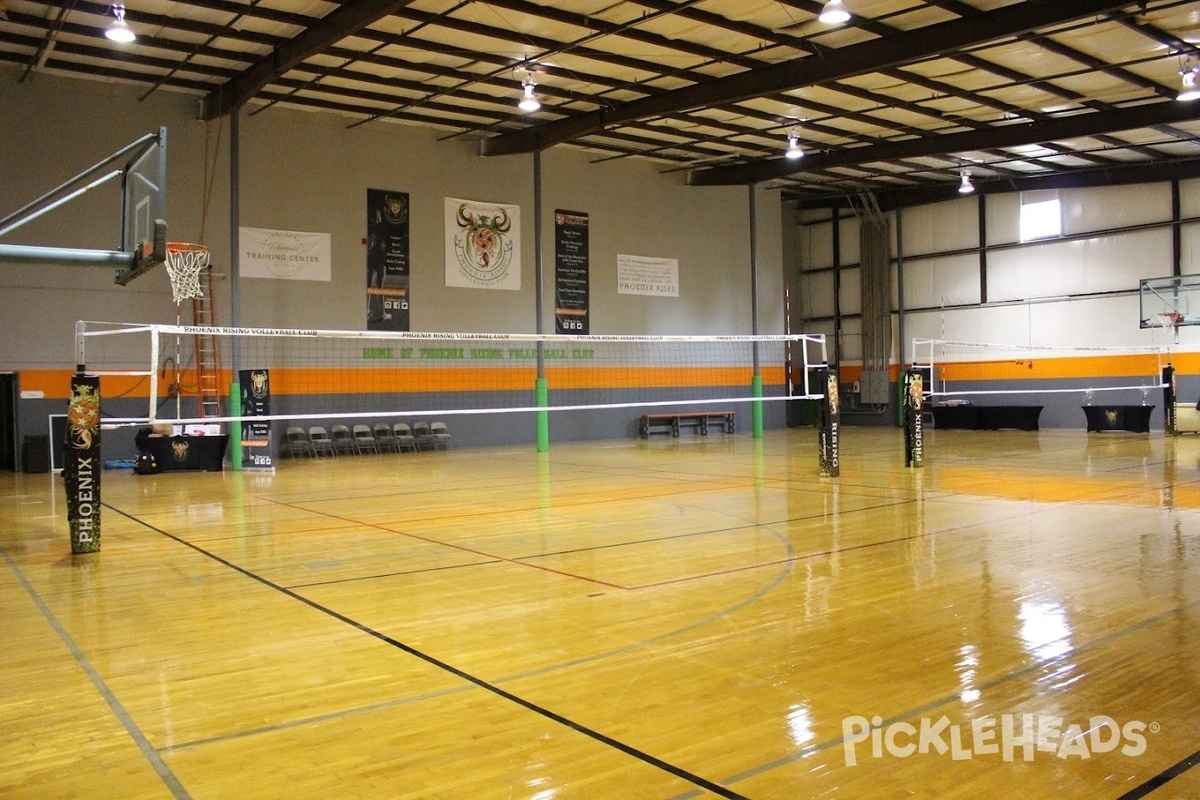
(483, 554)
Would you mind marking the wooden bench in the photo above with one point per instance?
(671, 423)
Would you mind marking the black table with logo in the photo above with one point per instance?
(1118, 418)
(203, 453)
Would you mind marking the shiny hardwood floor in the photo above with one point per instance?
(673, 618)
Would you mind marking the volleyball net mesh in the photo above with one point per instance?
(376, 375)
(974, 372)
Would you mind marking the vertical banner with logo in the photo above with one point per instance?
(387, 260)
(828, 421)
(81, 463)
(571, 266)
(914, 405)
(483, 244)
(256, 434)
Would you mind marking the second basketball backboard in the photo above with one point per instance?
(1170, 302)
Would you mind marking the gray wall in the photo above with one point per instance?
(310, 172)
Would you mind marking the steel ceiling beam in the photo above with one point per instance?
(337, 25)
(890, 199)
(858, 59)
(1071, 127)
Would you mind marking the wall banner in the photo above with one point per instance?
(387, 261)
(483, 244)
(256, 434)
(81, 463)
(647, 275)
(571, 266)
(284, 255)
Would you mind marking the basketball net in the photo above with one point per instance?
(1170, 320)
(184, 262)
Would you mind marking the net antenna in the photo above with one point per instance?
(184, 262)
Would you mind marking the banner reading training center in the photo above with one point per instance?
(285, 255)
(483, 244)
(571, 267)
(256, 434)
(387, 260)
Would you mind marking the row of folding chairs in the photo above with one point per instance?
(360, 439)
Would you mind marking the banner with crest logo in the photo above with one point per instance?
(256, 434)
(483, 245)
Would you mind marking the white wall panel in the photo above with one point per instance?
(1189, 251)
(936, 282)
(816, 295)
(1107, 207)
(851, 291)
(1057, 269)
(815, 246)
(1003, 218)
(851, 342)
(952, 225)
(1189, 198)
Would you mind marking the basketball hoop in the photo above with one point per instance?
(1170, 321)
(184, 262)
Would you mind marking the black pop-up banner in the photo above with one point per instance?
(571, 272)
(387, 260)
(914, 403)
(828, 421)
(256, 434)
(81, 463)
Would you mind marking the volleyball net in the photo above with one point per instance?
(1003, 373)
(995, 386)
(376, 375)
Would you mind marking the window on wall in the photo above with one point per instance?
(1041, 215)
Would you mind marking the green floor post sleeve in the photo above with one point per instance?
(756, 408)
(235, 427)
(543, 417)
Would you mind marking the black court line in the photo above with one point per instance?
(1162, 778)
(608, 741)
(118, 710)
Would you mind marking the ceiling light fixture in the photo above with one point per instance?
(966, 187)
(834, 13)
(1189, 89)
(529, 101)
(119, 30)
(794, 150)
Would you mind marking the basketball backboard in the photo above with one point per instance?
(141, 226)
(144, 207)
(1170, 302)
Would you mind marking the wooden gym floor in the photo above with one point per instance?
(673, 618)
